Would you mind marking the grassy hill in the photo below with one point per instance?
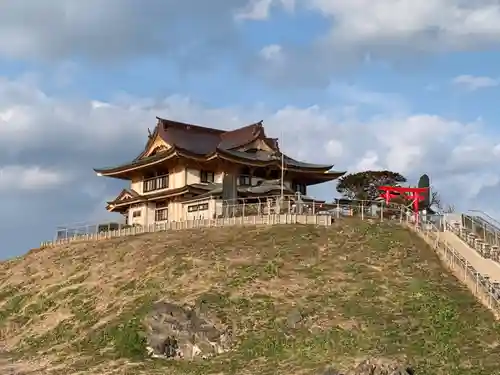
(366, 289)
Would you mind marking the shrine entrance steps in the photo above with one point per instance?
(484, 266)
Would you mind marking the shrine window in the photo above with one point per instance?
(198, 207)
(161, 214)
(244, 180)
(207, 177)
(193, 208)
(155, 183)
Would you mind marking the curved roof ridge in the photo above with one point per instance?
(242, 136)
(188, 126)
(256, 126)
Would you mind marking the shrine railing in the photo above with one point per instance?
(318, 213)
(269, 210)
(486, 291)
(483, 226)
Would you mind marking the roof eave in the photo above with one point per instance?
(115, 172)
(228, 155)
(314, 169)
(104, 173)
(116, 208)
(325, 177)
(121, 171)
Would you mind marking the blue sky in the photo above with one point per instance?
(408, 86)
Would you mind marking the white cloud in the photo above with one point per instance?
(64, 73)
(20, 177)
(374, 31)
(369, 161)
(334, 149)
(77, 136)
(105, 30)
(401, 140)
(432, 25)
(255, 10)
(389, 102)
(272, 52)
(43, 136)
(92, 134)
(473, 83)
(259, 10)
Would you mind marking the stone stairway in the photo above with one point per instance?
(483, 248)
(483, 225)
(486, 266)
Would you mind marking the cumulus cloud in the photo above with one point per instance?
(272, 52)
(367, 31)
(68, 138)
(101, 31)
(434, 24)
(49, 144)
(30, 178)
(473, 83)
(91, 134)
(261, 9)
(106, 30)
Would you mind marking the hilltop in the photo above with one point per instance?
(363, 289)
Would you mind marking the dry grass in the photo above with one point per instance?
(365, 289)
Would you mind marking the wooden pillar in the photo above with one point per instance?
(252, 171)
(229, 188)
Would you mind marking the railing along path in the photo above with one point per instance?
(467, 271)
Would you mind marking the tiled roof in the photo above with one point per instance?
(199, 141)
(265, 156)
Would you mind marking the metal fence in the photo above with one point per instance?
(484, 290)
(85, 228)
(266, 211)
(482, 225)
(484, 245)
(274, 212)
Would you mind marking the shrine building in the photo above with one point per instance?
(188, 172)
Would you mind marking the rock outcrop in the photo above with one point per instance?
(183, 332)
(375, 367)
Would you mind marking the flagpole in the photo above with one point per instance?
(282, 167)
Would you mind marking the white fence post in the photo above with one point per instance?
(235, 215)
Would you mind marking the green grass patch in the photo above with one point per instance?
(363, 289)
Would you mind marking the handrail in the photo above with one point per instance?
(489, 232)
(488, 216)
(486, 291)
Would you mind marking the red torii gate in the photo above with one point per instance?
(414, 194)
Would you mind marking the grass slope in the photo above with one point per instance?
(366, 289)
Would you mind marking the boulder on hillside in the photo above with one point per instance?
(375, 366)
(182, 332)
